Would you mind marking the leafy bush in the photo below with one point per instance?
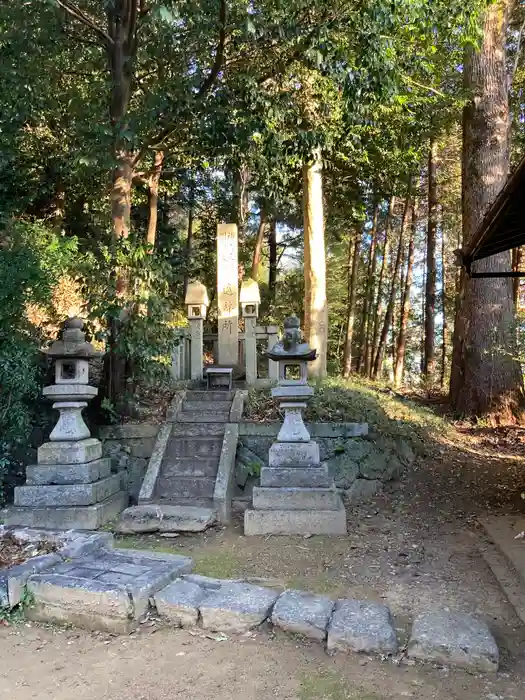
(32, 260)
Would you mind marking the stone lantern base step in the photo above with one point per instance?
(295, 499)
(295, 522)
(74, 452)
(42, 474)
(306, 477)
(68, 518)
(67, 494)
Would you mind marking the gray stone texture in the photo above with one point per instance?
(237, 607)
(295, 522)
(74, 452)
(68, 494)
(306, 477)
(454, 638)
(225, 479)
(179, 603)
(293, 454)
(363, 490)
(17, 576)
(295, 499)
(207, 582)
(165, 518)
(361, 626)
(68, 473)
(303, 613)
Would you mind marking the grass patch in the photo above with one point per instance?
(331, 686)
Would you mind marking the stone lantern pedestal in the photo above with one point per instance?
(71, 487)
(296, 496)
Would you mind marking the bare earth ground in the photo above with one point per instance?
(414, 548)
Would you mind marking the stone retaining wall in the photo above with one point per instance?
(360, 461)
(130, 446)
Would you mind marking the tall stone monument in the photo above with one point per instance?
(228, 294)
(72, 485)
(296, 495)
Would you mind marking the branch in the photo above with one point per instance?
(219, 53)
(85, 19)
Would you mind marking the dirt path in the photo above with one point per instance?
(38, 664)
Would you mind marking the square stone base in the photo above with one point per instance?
(74, 452)
(294, 454)
(295, 522)
(296, 499)
(67, 494)
(69, 518)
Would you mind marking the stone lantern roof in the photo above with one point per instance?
(73, 342)
(196, 294)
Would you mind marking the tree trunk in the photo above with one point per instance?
(486, 379)
(430, 287)
(378, 360)
(153, 198)
(315, 306)
(517, 257)
(405, 304)
(444, 344)
(378, 311)
(353, 253)
(256, 261)
(272, 272)
(189, 238)
(364, 335)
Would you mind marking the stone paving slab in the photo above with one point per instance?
(302, 613)
(364, 626)
(207, 582)
(165, 518)
(179, 602)
(454, 638)
(237, 607)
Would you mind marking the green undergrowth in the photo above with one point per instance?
(355, 401)
(329, 685)
(17, 615)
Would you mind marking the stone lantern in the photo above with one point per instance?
(250, 299)
(296, 495)
(197, 303)
(72, 485)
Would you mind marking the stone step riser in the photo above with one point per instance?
(296, 499)
(197, 430)
(180, 501)
(67, 495)
(209, 395)
(197, 448)
(206, 406)
(298, 477)
(185, 487)
(189, 466)
(202, 417)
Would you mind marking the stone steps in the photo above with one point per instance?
(204, 417)
(184, 487)
(190, 466)
(206, 406)
(196, 448)
(210, 395)
(185, 502)
(197, 430)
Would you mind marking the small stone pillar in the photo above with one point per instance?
(72, 485)
(197, 302)
(297, 496)
(250, 300)
(273, 367)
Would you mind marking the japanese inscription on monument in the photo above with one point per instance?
(228, 294)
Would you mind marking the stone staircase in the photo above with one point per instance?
(189, 466)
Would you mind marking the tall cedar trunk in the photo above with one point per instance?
(430, 287)
(256, 261)
(404, 314)
(363, 342)
(272, 272)
(517, 257)
(189, 238)
(378, 360)
(378, 310)
(315, 304)
(444, 343)
(153, 198)
(353, 253)
(486, 378)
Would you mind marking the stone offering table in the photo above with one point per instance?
(296, 496)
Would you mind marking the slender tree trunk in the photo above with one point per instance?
(315, 307)
(517, 257)
(405, 304)
(444, 344)
(430, 288)
(379, 302)
(153, 198)
(256, 261)
(367, 301)
(272, 273)
(378, 360)
(189, 238)
(353, 256)
(486, 378)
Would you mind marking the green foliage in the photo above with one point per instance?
(16, 615)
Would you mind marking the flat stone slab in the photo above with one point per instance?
(236, 607)
(138, 575)
(294, 454)
(68, 518)
(361, 626)
(454, 638)
(74, 452)
(295, 499)
(286, 477)
(161, 518)
(179, 602)
(295, 522)
(67, 494)
(38, 474)
(303, 613)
